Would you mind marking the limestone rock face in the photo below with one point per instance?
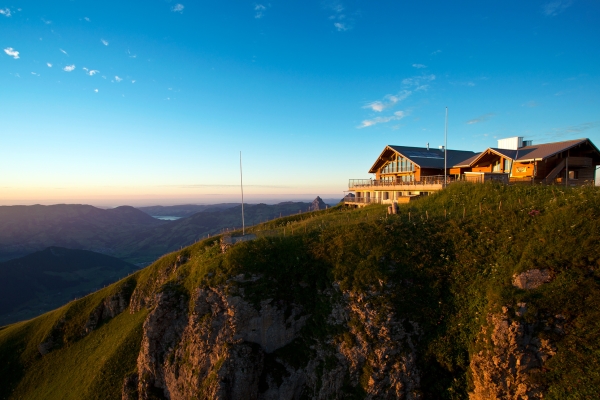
(218, 345)
(510, 358)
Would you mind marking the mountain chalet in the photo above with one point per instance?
(403, 173)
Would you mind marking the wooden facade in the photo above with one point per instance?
(403, 173)
(571, 162)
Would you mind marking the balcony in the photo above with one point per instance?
(427, 183)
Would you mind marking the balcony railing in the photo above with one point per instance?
(362, 200)
(425, 180)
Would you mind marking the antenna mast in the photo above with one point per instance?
(242, 188)
(446, 150)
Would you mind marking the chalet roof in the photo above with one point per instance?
(423, 157)
(530, 153)
(543, 151)
(468, 161)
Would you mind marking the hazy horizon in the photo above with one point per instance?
(266, 199)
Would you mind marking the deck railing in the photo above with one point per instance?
(425, 180)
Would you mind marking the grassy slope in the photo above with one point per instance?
(449, 271)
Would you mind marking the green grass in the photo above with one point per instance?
(448, 258)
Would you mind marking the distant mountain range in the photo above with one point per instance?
(126, 232)
(184, 210)
(172, 235)
(26, 229)
(47, 279)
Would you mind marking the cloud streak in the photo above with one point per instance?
(69, 68)
(573, 129)
(259, 11)
(118, 79)
(554, 8)
(12, 53)
(341, 22)
(5, 12)
(64, 52)
(388, 101)
(418, 81)
(398, 115)
(480, 119)
(419, 66)
(104, 42)
(49, 65)
(178, 8)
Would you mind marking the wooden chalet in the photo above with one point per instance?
(572, 162)
(403, 172)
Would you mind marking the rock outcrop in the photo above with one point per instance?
(218, 345)
(317, 204)
(532, 279)
(511, 355)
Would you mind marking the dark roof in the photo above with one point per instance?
(467, 162)
(531, 153)
(427, 158)
(542, 151)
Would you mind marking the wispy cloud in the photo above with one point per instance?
(531, 104)
(481, 118)
(341, 21)
(131, 55)
(104, 42)
(12, 52)
(64, 52)
(5, 12)
(69, 68)
(35, 73)
(418, 80)
(178, 8)
(49, 65)
(419, 66)
(554, 8)
(96, 90)
(341, 26)
(388, 101)
(463, 83)
(92, 72)
(47, 22)
(87, 19)
(573, 130)
(436, 52)
(118, 79)
(259, 11)
(398, 115)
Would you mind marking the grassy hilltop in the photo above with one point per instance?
(451, 258)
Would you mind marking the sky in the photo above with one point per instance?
(150, 102)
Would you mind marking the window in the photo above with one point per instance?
(573, 174)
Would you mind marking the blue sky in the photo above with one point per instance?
(148, 102)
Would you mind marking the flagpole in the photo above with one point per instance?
(446, 150)
(242, 188)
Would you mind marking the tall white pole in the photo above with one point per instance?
(242, 188)
(446, 150)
